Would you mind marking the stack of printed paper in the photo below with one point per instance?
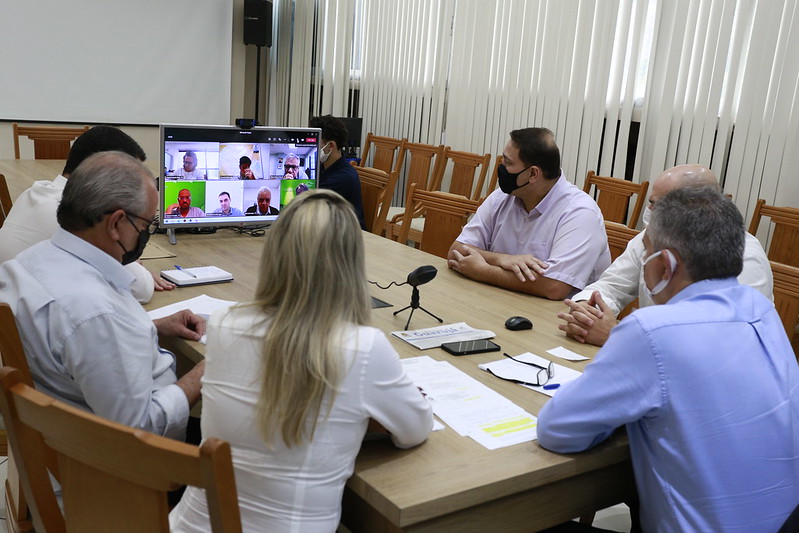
(468, 406)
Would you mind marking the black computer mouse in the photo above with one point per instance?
(516, 323)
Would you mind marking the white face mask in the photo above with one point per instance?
(324, 155)
(647, 216)
(657, 289)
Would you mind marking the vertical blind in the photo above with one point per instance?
(702, 81)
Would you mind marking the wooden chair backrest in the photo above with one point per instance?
(113, 477)
(389, 153)
(465, 167)
(12, 354)
(423, 165)
(48, 142)
(784, 247)
(445, 215)
(613, 197)
(5, 200)
(377, 187)
(786, 296)
(492, 183)
(618, 237)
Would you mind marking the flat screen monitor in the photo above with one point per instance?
(230, 176)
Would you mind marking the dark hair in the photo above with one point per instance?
(704, 227)
(244, 160)
(103, 183)
(223, 192)
(101, 139)
(537, 148)
(332, 130)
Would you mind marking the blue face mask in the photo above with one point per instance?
(507, 181)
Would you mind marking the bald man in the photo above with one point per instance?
(592, 312)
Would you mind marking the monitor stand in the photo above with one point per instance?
(172, 237)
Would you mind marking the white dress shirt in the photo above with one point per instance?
(623, 281)
(88, 341)
(32, 219)
(296, 489)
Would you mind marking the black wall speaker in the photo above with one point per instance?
(258, 22)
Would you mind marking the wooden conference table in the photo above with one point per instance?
(450, 483)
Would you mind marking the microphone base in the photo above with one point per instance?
(414, 305)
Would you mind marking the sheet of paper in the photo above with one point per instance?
(424, 339)
(565, 353)
(468, 406)
(202, 305)
(507, 368)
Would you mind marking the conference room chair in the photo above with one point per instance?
(618, 237)
(113, 477)
(786, 298)
(377, 187)
(613, 196)
(445, 214)
(466, 168)
(423, 165)
(5, 200)
(492, 183)
(388, 154)
(48, 142)
(784, 247)
(12, 354)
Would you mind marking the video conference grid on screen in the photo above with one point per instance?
(222, 175)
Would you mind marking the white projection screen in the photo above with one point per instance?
(116, 61)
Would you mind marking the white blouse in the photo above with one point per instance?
(297, 489)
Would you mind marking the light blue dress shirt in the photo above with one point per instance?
(708, 388)
(88, 341)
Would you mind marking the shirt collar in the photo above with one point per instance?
(110, 268)
(701, 287)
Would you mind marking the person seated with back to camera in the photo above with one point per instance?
(32, 218)
(296, 428)
(704, 380)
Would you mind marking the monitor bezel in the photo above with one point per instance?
(250, 221)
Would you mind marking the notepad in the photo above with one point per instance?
(197, 275)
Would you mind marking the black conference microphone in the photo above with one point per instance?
(422, 275)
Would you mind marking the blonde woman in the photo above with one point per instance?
(293, 378)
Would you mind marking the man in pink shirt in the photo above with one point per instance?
(538, 233)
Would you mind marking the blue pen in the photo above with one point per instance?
(551, 386)
(184, 270)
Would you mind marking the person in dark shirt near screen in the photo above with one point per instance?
(337, 174)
